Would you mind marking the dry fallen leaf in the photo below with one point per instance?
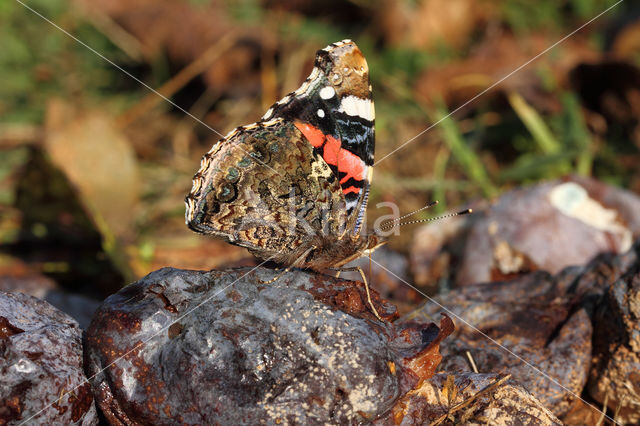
(97, 159)
(101, 165)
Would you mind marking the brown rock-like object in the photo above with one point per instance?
(547, 227)
(616, 367)
(544, 319)
(388, 280)
(80, 308)
(41, 374)
(200, 347)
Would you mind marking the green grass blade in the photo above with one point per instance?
(468, 159)
(543, 137)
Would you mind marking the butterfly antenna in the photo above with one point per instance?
(391, 223)
(431, 219)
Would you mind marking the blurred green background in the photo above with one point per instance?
(94, 167)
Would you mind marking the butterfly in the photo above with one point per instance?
(293, 187)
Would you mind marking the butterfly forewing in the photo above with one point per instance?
(334, 110)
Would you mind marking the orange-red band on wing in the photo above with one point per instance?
(313, 134)
(351, 189)
(347, 162)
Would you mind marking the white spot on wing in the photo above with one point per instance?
(315, 73)
(355, 106)
(337, 44)
(321, 113)
(215, 147)
(190, 211)
(231, 133)
(267, 115)
(351, 204)
(272, 122)
(196, 186)
(284, 100)
(327, 92)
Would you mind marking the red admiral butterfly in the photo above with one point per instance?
(293, 187)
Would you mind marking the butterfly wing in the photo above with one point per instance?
(334, 110)
(263, 187)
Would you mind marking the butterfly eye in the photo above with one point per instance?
(336, 78)
(226, 192)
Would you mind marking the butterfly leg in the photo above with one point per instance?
(298, 261)
(277, 277)
(366, 287)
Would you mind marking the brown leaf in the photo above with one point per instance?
(425, 24)
(98, 160)
(496, 57)
(424, 364)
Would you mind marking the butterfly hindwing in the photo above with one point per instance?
(266, 189)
